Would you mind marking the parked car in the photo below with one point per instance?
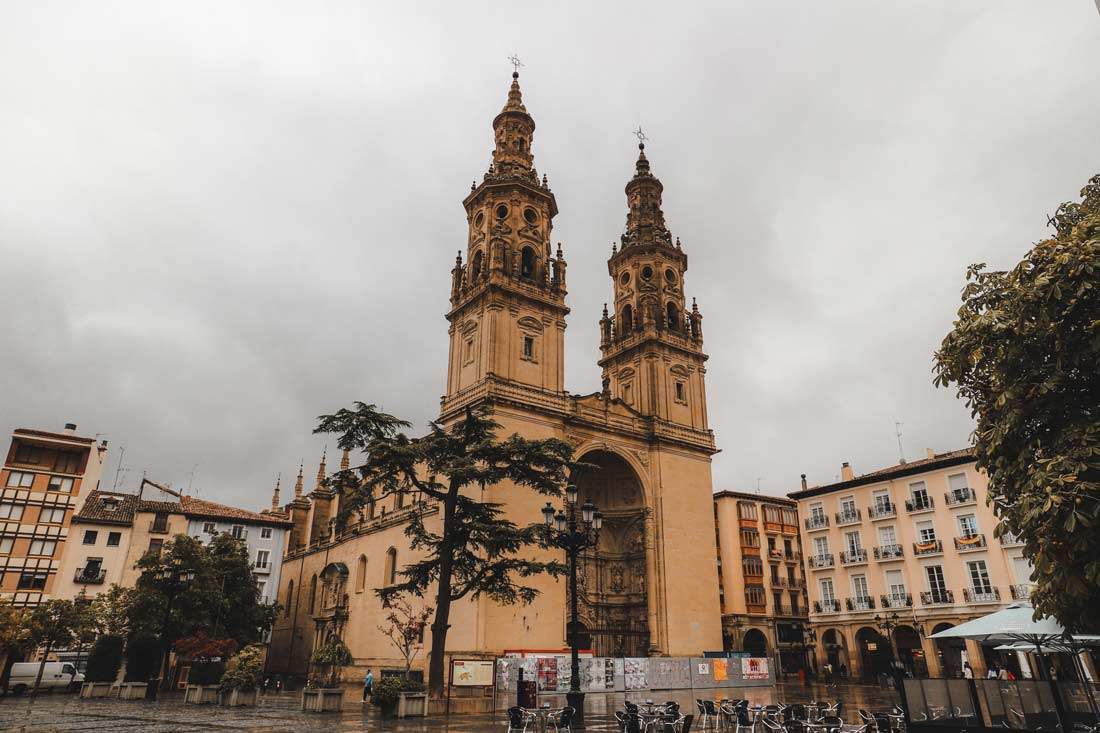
(55, 675)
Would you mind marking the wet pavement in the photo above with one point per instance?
(280, 712)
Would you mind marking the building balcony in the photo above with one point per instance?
(853, 517)
(1008, 539)
(931, 547)
(818, 522)
(775, 554)
(884, 553)
(822, 561)
(896, 600)
(90, 576)
(758, 609)
(853, 557)
(976, 595)
(1021, 591)
(921, 504)
(882, 511)
(860, 604)
(792, 556)
(970, 542)
(960, 497)
(830, 605)
(937, 598)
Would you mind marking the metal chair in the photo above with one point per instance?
(563, 719)
(518, 719)
(795, 711)
(684, 723)
(830, 724)
(743, 722)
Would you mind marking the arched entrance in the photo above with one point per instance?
(756, 644)
(950, 652)
(874, 653)
(836, 649)
(612, 585)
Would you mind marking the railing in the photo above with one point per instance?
(775, 554)
(860, 604)
(822, 561)
(882, 511)
(1021, 591)
(919, 504)
(960, 496)
(896, 600)
(850, 557)
(792, 555)
(970, 542)
(932, 547)
(89, 577)
(830, 605)
(889, 552)
(818, 522)
(1008, 539)
(937, 598)
(263, 564)
(974, 595)
(848, 517)
(753, 572)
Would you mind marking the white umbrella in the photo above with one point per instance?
(1014, 624)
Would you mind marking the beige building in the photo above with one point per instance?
(43, 483)
(761, 585)
(99, 542)
(911, 545)
(647, 430)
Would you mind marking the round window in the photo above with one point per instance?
(530, 215)
(625, 279)
(670, 276)
(647, 272)
(502, 211)
(479, 219)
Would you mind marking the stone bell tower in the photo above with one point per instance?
(507, 316)
(652, 344)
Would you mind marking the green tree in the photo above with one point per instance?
(406, 629)
(11, 639)
(51, 624)
(110, 611)
(1024, 353)
(472, 549)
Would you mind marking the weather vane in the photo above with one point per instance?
(640, 135)
(516, 63)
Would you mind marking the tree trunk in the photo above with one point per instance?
(441, 624)
(41, 667)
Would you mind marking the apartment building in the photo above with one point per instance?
(900, 553)
(43, 482)
(762, 587)
(97, 551)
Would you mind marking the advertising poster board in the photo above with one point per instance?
(636, 673)
(721, 670)
(754, 668)
(547, 673)
(472, 672)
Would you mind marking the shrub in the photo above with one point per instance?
(142, 658)
(246, 671)
(330, 658)
(105, 659)
(387, 690)
(206, 673)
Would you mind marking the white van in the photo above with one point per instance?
(56, 675)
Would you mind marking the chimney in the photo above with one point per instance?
(931, 453)
(70, 428)
(846, 472)
(804, 482)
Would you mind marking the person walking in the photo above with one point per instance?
(968, 673)
(368, 685)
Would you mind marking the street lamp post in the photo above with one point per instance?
(565, 531)
(173, 581)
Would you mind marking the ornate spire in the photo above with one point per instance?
(298, 483)
(275, 494)
(515, 97)
(645, 221)
(321, 470)
(514, 130)
(345, 460)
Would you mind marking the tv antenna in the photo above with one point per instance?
(119, 470)
(901, 452)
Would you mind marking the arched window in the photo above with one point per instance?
(475, 266)
(399, 501)
(527, 263)
(628, 320)
(312, 594)
(673, 317)
(289, 598)
(361, 574)
(391, 566)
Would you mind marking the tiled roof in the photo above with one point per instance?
(212, 510)
(148, 505)
(95, 509)
(939, 460)
(765, 498)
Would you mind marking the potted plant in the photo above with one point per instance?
(207, 665)
(386, 694)
(104, 662)
(238, 685)
(324, 694)
(406, 632)
(142, 660)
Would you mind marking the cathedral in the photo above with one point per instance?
(649, 587)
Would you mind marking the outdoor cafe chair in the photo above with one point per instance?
(795, 726)
(684, 723)
(518, 719)
(771, 726)
(563, 719)
(633, 723)
(830, 724)
(884, 723)
(795, 711)
(742, 720)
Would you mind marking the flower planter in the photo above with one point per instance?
(412, 705)
(96, 689)
(201, 694)
(322, 699)
(131, 690)
(238, 698)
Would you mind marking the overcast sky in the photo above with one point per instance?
(219, 220)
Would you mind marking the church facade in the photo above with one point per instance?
(647, 589)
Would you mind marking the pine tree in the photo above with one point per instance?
(475, 551)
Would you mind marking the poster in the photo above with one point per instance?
(471, 673)
(635, 673)
(548, 673)
(721, 670)
(754, 668)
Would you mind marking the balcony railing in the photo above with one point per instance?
(882, 511)
(970, 542)
(896, 600)
(1008, 539)
(851, 557)
(262, 564)
(792, 555)
(976, 595)
(817, 522)
(860, 604)
(822, 561)
(889, 552)
(937, 598)
(1021, 591)
(830, 605)
(775, 554)
(89, 576)
(919, 504)
(931, 547)
(848, 517)
(956, 497)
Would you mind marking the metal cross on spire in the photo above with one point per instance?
(640, 135)
(516, 63)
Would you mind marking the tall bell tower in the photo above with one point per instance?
(507, 316)
(652, 343)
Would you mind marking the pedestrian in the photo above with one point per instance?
(843, 671)
(968, 673)
(368, 685)
(991, 674)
